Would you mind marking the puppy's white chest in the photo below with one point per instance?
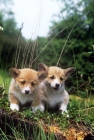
(23, 98)
(54, 99)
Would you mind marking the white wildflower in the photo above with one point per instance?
(1, 28)
(92, 46)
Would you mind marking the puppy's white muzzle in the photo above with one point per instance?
(26, 90)
(55, 84)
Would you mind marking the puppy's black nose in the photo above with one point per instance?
(57, 85)
(27, 91)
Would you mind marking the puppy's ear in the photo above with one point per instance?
(42, 75)
(42, 67)
(69, 71)
(14, 72)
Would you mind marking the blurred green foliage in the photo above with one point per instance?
(8, 36)
(72, 43)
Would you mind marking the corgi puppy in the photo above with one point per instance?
(52, 88)
(23, 87)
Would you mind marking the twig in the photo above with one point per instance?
(79, 86)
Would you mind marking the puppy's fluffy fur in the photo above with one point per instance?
(23, 87)
(52, 88)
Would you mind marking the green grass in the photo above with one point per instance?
(37, 134)
(81, 110)
(4, 79)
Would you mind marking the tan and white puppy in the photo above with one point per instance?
(52, 88)
(23, 87)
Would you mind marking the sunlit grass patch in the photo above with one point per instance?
(83, 102)
(4, 86)
(4, 79)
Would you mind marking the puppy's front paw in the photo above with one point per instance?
(39, 107)
(14, 107)
(62, 112)
(63, 109)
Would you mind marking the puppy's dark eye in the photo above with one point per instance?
(52, 77)
(61, 78)
(23, 82)
(33, 84)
